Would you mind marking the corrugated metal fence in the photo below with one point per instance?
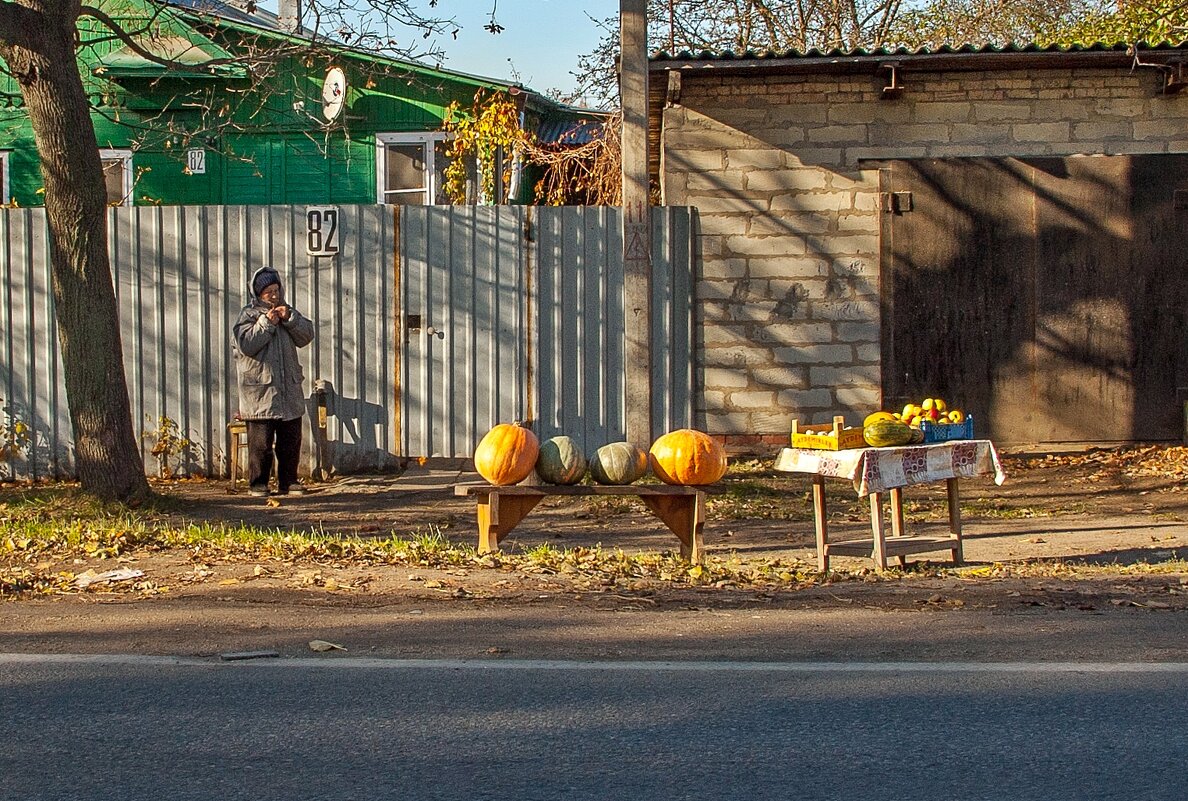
(433, 324)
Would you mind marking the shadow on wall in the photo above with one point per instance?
(171, 452)
(27, 445)
(360, 447)
(1045, 292)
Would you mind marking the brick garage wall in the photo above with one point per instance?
(782, 169)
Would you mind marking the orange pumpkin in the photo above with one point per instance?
(506, 454)
(686, 456)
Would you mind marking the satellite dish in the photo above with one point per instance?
(333, 93)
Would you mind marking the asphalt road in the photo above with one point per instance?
(101, 727)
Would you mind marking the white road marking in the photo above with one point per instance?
(373, 663)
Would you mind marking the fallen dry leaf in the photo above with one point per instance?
(322, 646)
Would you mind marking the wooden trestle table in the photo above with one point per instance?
(874, 471)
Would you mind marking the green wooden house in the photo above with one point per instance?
(254, 115)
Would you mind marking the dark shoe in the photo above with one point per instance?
(258, 492)
(295, 490)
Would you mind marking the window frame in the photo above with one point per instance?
(428, 140)
(124, 155)
(5, 170)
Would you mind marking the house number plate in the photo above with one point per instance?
(321, 230)
(196, 161)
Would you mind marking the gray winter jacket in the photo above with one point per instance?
(270, 376)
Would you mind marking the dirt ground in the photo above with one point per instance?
(1104, 506)
(1118, 517)
(1108, 508)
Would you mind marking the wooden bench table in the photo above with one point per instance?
(874, 471)
(500, 509)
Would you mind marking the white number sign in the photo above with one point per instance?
(321, 226)
(196, 161)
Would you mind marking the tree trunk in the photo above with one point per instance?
(106, 453)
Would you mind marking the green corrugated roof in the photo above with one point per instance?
(205, 13)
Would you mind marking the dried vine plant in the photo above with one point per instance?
(588, 174)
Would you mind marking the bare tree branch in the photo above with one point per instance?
(147, 55)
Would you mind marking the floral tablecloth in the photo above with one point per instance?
(879, 469)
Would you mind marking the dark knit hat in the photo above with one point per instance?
(264, 279)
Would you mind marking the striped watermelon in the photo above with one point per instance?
(886, 433)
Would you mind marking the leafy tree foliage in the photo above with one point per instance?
(981, 22)
(1044, 22)
(1150, 21)
(780, 25)
(488, 135)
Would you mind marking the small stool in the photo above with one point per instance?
(237, 445)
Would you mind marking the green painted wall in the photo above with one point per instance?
(265, 143)
(16, 136)
(295, 169)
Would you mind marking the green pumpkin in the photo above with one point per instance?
(560, 461)
(619, 463)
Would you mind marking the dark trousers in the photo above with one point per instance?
(261, 434)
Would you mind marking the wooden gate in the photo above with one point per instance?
(1045, 295)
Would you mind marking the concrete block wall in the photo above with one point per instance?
(784, 172)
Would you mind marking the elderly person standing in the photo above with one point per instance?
(271, 399)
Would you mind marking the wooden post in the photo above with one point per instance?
(637, 228)
(953, 490)
(897, 527)
(821, 520)
(498, 514)
(876, 528)
(685, 516)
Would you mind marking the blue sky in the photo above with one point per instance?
(539, 45)
(543, 38)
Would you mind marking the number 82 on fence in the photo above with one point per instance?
(321, 230)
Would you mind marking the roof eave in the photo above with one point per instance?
(148, 73)
(932, 61)
(321, 42)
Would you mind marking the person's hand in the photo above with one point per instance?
(274, 315)
(285, 312)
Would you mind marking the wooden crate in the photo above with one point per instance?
(827, 436)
